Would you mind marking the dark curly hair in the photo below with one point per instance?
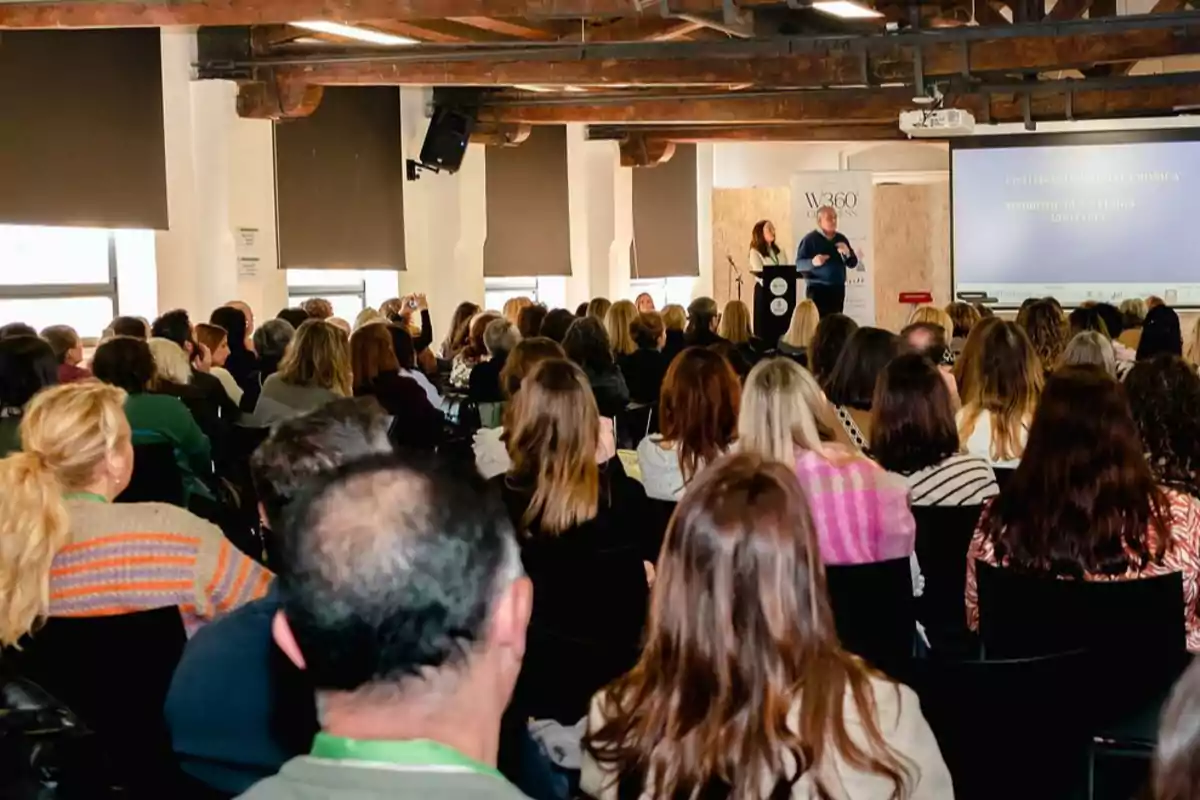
(1164, 394)
(1047, 329)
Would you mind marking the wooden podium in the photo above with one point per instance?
(774, 301)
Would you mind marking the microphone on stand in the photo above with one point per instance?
(737, 272)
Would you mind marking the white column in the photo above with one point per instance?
(175, 249)
(703, 287)
(445, 221)
(252, 205)
(600, 193)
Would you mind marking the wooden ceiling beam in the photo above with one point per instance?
(877, 107)
(805, 70)
(635, 29)
(138, 13)
(1068, 9)
(767, 133)
(507, 28)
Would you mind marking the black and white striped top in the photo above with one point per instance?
(960, 480)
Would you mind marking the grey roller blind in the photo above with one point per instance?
(81, 129)
(665, 240)
(339, 178)
(528, 214)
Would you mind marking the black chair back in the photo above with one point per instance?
(1003, 476)
(114, 673)
(1011, 728)
(943, 536)
(156, 476)
(1026, 615)
(874, 612)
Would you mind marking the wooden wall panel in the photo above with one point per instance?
(912, 247)
(734, 213)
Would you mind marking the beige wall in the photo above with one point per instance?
(734, 213)
(912, 247)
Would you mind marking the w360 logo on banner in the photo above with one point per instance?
(845, 203)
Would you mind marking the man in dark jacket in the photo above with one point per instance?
(826, 255)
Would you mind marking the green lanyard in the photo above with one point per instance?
(412, 752)
(90, 497)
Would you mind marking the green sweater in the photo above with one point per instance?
(159, 418)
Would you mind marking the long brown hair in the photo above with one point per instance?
(524, 357)
(552, 435)
(319, 355)
(475, 349)
(742, 675)
(460, 329)
(372, 353)
(735, 322)
(619, 324)
(1046, 326)
(1001, 375)
(758, 240)
(1083, 497)
(698, 409)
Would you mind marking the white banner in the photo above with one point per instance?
(850, 192)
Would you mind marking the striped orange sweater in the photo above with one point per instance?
(128, 557)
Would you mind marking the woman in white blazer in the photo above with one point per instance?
(763, 249)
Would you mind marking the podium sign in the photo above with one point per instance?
(774, 302)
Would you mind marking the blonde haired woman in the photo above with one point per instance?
(584, 531)
(1001, 380)
(67, 551)
(860, 511)
(513, 307)
(170, 362)
(674, 319)
(932, 315)
(794, 344)
(314, 370)
(368, 316)
(619, 322)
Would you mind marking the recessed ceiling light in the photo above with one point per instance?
(846, 9)
(354, 32)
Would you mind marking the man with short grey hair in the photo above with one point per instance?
(405, 603)
(499, 337)
(824, 255)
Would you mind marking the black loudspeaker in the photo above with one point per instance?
(447, 138)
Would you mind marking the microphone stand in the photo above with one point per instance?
(737, 272)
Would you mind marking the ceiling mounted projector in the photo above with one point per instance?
(937, 123)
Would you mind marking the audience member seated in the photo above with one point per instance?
(1087, 318)
(513, 307)
(242, 363)
(317, 308)
(12, 329)
(376, 372)
(851, 385)
(421, 330)
(796, 342)
(735, 329)
(489, 445)
(474, 352)
(1000, 380)
(27, 365)
(1114, 322)
(698, 417)
(459, 331)
(860, 512)
(828, 342)
(743, 689)
(1133, 314)
(581, 310)
(341, 324)
(932, 315)
(645, 368)
(703, 321)
(366, 317)
(963, 317)
(619, 326)
(1047, 330)
(216, 339)
(68, 349)
(293, 316)
(404, 603)
(1164, 394)
(675, 321)
(1160, 334)
(582, 526)
(128, 364)
(136, 327)
(238, 709)
(529, 321)
(271, 340)
(206, 389)
(913, 434)
(598, 308)
(173, 378)
(1090, 349)
(556, 324)
(1084, 505)
(314, 371)
(1175, 776)
(499, 338)
(586, 343)
(406, 356)
(71, 552)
